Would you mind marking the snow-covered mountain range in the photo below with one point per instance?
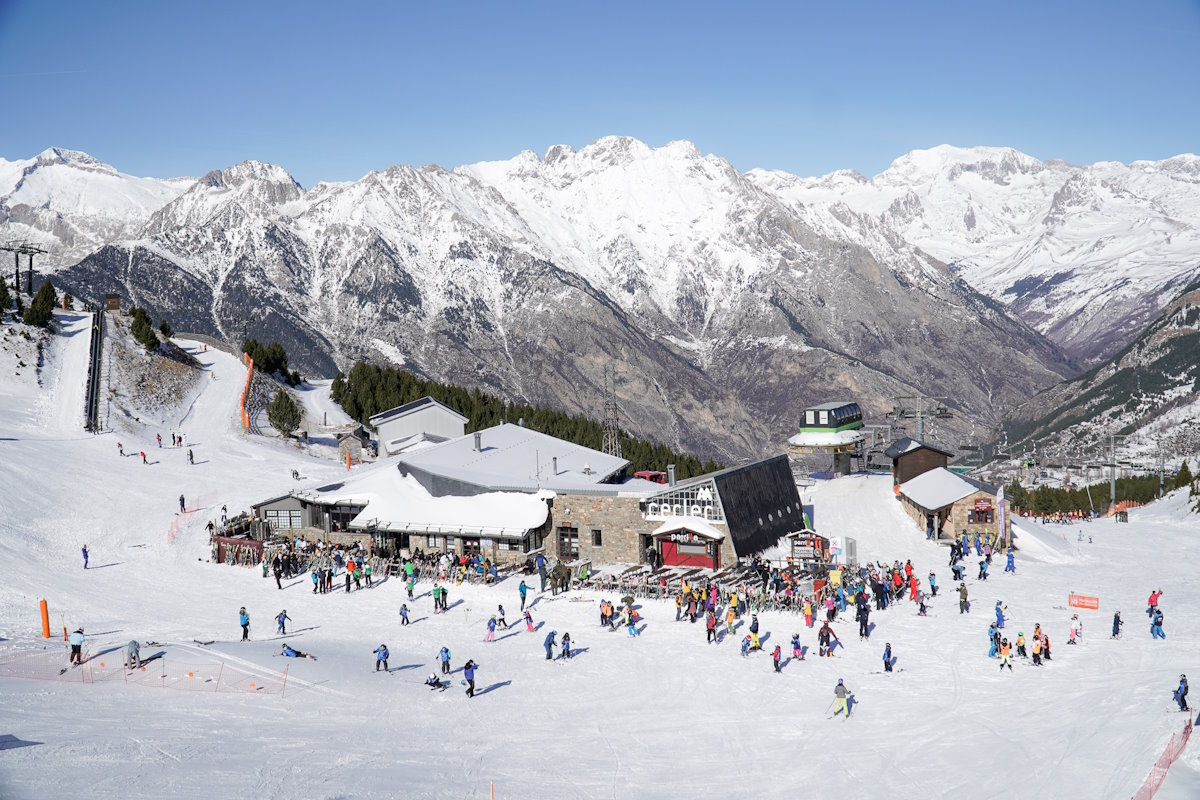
(728, 300)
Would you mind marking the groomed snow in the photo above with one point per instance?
(663, 715)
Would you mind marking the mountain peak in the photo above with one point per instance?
(250, 171)
(74, 158)
(950, 161)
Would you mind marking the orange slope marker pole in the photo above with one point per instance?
(45, 620)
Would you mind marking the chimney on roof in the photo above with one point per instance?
(478, 442)
(670, 474)
(554, 464)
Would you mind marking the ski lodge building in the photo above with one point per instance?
(948, 503)
(507, 491)
(911, 458)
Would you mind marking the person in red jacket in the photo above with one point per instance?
(776, 654)
(710, 622)
(913, 585)
(1153, 602)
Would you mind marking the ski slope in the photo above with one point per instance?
(662, 715)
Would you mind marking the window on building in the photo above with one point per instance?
(981, 517)
(568, 542)
(597, 538)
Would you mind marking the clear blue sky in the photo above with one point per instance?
(333, 90)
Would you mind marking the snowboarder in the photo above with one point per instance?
(566, 646)
(1117, 623)
(490, 636)
(842, 694)
(381, 657)
(403, 613)
(523, 590)
(282, 619)
(964, 607)
(1181, 693)
(133, 658)
(500, 617)
(76, 642)
(444, 657)
(1011, 566)
(1000, 609)
(182, 508)
(469, 673)
(776, 654)
(85, 555)
(549, 644)
(1156, 631)
(244, 621)
(290, 652)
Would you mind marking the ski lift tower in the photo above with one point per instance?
(17, 249)
(612, 423)
(834, 429)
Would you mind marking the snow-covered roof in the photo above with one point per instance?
(827, 438)
(517, 458)
(940, 487)
(409, 408)
(700, 527)
(394, 502)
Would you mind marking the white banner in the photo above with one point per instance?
(1001, 528)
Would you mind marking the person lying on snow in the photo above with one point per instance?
(289, 652)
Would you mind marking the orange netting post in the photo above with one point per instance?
(45, 620)
(347, 461)
(283, 691)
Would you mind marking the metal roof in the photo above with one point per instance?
(938, 488)
(408, 408)
(517, 458)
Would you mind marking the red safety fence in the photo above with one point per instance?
(1158, 772)
(160, 672)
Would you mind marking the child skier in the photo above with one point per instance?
(1004, 653)
(710, 626)
(1156, 631)
(1181, 693)
(490, 636)
(842, 694)
(528, 621)
(993, 640)
(1000, 609)
(983, 568)
(964, 607)
(730, 615)
(291, 652)
(797, 650)
(469, 673)
(523, 590)
(745, 646)
(444, 657)
(932, 585)
(1021, 645)
(282, 619)
(1117, 623)
(776, 654)
(887, 657)
(1011, 566)
(566, 646)
(433, 682)
(244, 621)
(409, 586)
(403, 613)
(500, 617)
(381, 657)
(85, 555)
(1074, 629)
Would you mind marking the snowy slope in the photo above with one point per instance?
(616, 721)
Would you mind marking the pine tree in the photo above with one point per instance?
(166, 328)
(283, 414)
(143, 330)
(1183, 478)
(5, 298)
(69, 301)
(41, 310)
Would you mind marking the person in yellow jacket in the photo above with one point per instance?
(1021, 645)
(729, 617)
(733, 603)
(808, 612)
(678, 605)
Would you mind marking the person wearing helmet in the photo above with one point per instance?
(244, 621)
(1117, 623)
(549, 644)
(282, 619)
(291, 652)
(1005, 651)
(964, 606)
(381, 657)
(1021, 644)
(433, 682)
(76, 642)
(1181, 693)
(887, 657)
(842, 695)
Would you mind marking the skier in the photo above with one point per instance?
(754, 643)
(731, 614)
(1074, 629)
(500, 617)
(808, 614)
(523, 590)
(1156, 631)
(1011, 566)
(864, 631)
(316, 579)
(282, 619)
(142, 453)
(1000, 609)
(1005, 649)
(566, 646)
(842, 694)
(181, 504)
(993, 640)
(887, 657)
(797, 649)
(409, 586)
(1037, 652)
(490, 636)
(631, 624)
(133, 658)
(528, 621)
(367, 574)
(76, 642)
(745, 646)
(956, 572)
(469, 673)
(290, 652)
(541, 568)
(933, 585)
(978, 549)
(120, 448)
(444, 657)
(776, 654)
(158, 436)
(85, 555)
(433, 683)
(1153, 602)
(381, 657)
(403, 613)
(983, 568)
(1021, 645)
(824, 635)
(549, 644)
(710, 626)
(1181, 693)
(244, 621)
(964, 607)
(1117, 623)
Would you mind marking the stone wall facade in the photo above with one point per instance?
(955, 517)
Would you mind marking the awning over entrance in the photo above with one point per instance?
(695, 525)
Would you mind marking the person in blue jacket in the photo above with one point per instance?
(978, 547)
(403, 613)
(85, 554)
(490, 636)
(1011, 566)
(244, 621)
(282, 619)
(550, 643)
(469, 674)
(291, 652)
(566, 645)
(933, 584)
(381, 657)
(1181, 693)
(523, 590)
(992, 643)
(444, 657)
(1117, 623)
(983, 568)
(541, 568)
(1156, 631)
(887, 657)
(1000, 609)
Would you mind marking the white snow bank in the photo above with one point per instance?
(1048, 545)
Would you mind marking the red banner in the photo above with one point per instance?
(1083, 601)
